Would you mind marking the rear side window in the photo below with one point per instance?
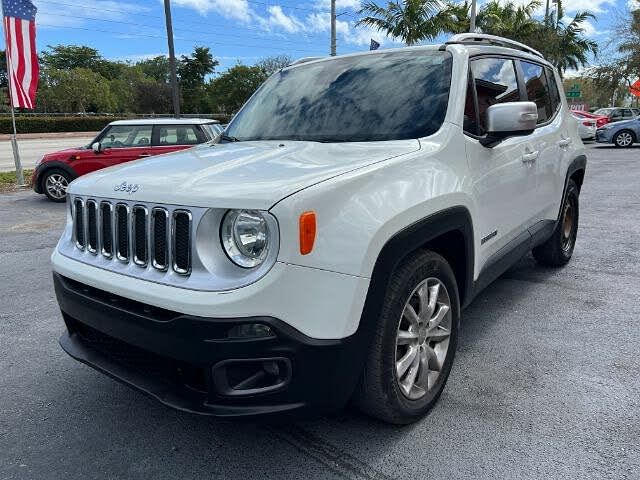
(167, 135)
(495, 82)
(556, 100)
(126, 136)
(537, 88)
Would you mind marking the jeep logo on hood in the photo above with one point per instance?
(127, 187)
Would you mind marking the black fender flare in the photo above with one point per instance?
(578, 164)
(45, 167)
(411, 239)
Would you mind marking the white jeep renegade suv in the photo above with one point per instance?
(324, 249)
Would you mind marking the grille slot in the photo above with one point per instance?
(159, 243)
(140, 235)
(78, 226)
(106, 229)
(92, 226)
(122, 232)
(182, 242)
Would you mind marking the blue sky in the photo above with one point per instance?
(235, 30)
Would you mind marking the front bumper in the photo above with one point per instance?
(604, 136)
(35, 180)
(178, 359)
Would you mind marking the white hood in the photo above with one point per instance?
(237, 175)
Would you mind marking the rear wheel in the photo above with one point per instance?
(558, 249)
(415, 342)
(55, 183)
(624, 138)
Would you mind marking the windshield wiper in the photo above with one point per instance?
(228, 138)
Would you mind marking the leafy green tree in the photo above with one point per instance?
(156, 68)
(3, 69)
(68, 57)
(229, 91)
(411, 21)
(622, 67)
(192, 71)
(77, 90)
(152, 96)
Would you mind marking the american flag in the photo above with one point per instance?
(22, 58)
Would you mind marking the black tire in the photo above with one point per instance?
(55, 174)
(618, 139)
(379, 393)
(558, 249)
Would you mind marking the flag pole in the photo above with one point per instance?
(14, 138)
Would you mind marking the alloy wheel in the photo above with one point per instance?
(567, 226)
(56, 185)
(422, 341)
(624, 139)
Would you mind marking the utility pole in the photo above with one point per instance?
(472, 25)
(175, 93)
(333, 28)
(546, 13)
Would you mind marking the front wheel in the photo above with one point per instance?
(624, 139)
(417, 332)
(55, 183)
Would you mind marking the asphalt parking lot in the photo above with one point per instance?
(546, 382)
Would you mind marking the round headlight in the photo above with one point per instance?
(245, 237)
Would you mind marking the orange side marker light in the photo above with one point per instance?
(307, 232)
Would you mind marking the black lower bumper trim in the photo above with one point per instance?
(171, 356)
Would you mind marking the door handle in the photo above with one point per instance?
(530, 157)
(145, 155)
(565, 142)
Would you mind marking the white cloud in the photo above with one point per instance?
(278, 19)
(321, 22)
(236, 9)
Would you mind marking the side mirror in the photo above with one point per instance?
(97, 147)
(509, 119)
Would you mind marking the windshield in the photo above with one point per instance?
(604, 111)
(386, 96)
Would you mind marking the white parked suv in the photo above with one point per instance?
(324, 250)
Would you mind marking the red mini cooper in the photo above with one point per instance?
(119, 142)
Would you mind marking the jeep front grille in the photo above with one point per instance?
(158, 237)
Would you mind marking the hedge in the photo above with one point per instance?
(55, 124)
(67, 124)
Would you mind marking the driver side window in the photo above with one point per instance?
(125, 136)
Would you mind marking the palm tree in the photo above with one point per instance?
(409, 20)
(564, 44)
(509, 20)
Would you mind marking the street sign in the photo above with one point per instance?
(574, 92)
(635, 89)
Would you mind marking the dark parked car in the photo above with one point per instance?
(121, 141)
